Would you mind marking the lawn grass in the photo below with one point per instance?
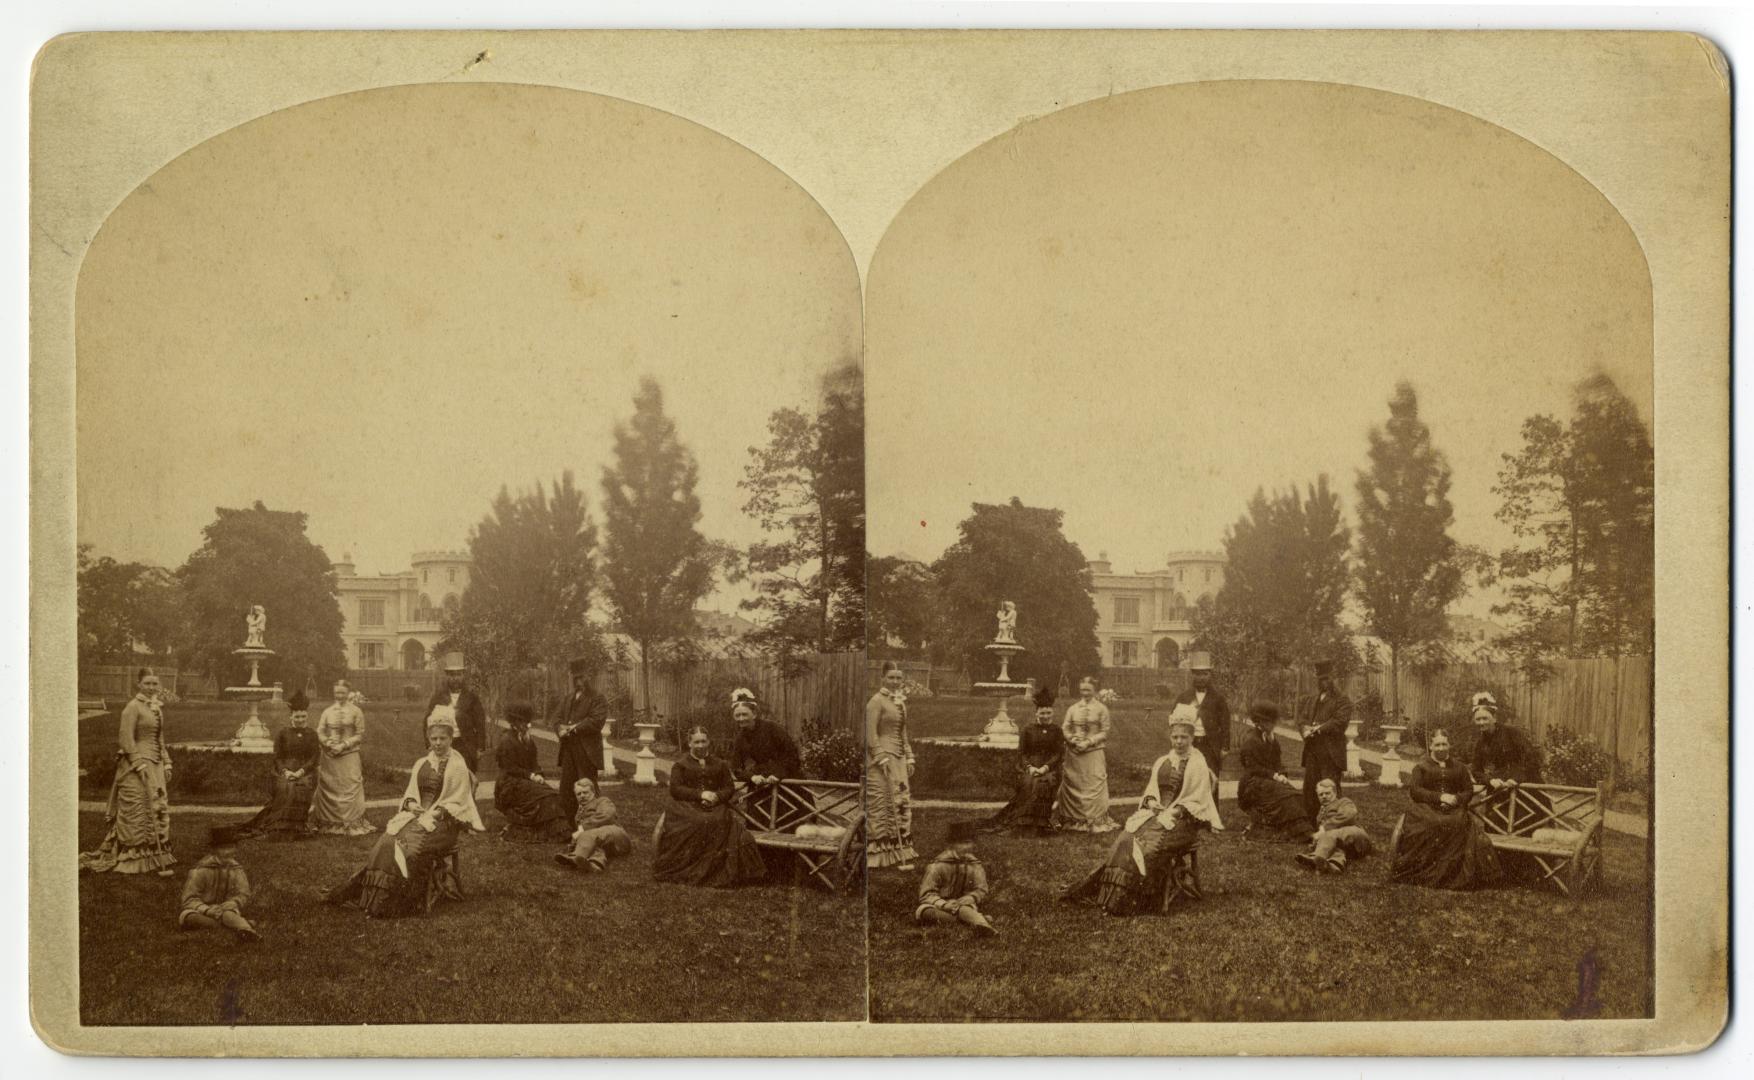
(1269, 941)
(531, 943)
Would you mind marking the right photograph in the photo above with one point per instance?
(1261, 568)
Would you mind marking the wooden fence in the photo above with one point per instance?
(832, 687)
(1605, 700)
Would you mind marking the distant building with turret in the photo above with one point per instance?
(392, 620)
(1142, 618)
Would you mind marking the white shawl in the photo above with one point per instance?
(456, 796)
(1198, 797)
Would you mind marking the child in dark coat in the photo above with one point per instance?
(955, 883)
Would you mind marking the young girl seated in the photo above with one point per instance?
(597, 836)
(217, 890)
(955, 883)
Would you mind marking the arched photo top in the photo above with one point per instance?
(1211, 285)
(353, 294)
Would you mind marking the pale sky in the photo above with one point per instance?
(1141, 309)
(379, 308)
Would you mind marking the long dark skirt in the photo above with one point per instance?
(533, 810)
(1119, 888)
(288, 804)
(383, 890)
(705, 847)
(1274, 807)
(1443, 851)
(1031, 808)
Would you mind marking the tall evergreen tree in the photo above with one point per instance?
(532, 572)
(807, 489)
(1408, 568)
(262, 556)
(1583, 495)
(656, 564)
(1018, 553)
(1285, 579)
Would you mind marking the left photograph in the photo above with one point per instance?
(471, 575)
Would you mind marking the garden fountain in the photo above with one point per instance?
(1001, 730)
(252, 736)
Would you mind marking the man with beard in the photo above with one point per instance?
(471, 714)
(1211, 712)
(581, 735)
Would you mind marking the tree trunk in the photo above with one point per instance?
(824, 583)
(1394, 683)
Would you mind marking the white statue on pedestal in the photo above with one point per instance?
(1007, 623)
(256, 625)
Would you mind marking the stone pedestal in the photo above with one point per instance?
(1391, 759)
(645, 764)
(1353, 769)
(608, 775)
(253, 737)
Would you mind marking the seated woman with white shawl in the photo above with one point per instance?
(1179, 803)
(414, 864)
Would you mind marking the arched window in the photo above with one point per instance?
(413, 655)
(451, 602)
(1169, 654)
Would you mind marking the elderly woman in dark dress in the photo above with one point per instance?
(1039, 750)
(1264, 793)
(413, 865)
(1438, 843)
(294, 778)
(700, 840)
(531, 808)
(1505, 759)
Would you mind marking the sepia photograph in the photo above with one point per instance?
(469, 575)
(1294, 599)
(747, 543)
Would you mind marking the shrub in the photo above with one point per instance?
(1108, 697)
(915, 689)
(1570, 758)
(1369, 711)
(830, 752)
(410, 692)
(1163, 690)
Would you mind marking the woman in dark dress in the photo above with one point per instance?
(1438, 843)
(1505, 759)
(1263, 793)
(414, 864)
(294, 779)
(1031, 808)
(532, 809)
(700, 840)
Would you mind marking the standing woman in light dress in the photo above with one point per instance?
(889, 762)
(1083, 805)
(138, 840)
(338, 806)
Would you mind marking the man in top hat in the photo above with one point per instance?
(471, 714)
(1324, 738)
(1211, 713)
(581, 735)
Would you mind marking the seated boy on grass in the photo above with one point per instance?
(597, 836)
(216, 890)
(1337, 834)
(955, 883)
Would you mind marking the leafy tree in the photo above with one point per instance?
(529, 594)
(807, 489)
(1285, 582)
(900, 607)
(262, 556)
(125, 607)
(1583, 497)
(657, 566)
(1408, 568)
(1018, 553)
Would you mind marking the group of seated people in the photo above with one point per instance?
(1440, 843)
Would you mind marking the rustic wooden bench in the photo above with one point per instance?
(1557, 826)
(774, 815)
